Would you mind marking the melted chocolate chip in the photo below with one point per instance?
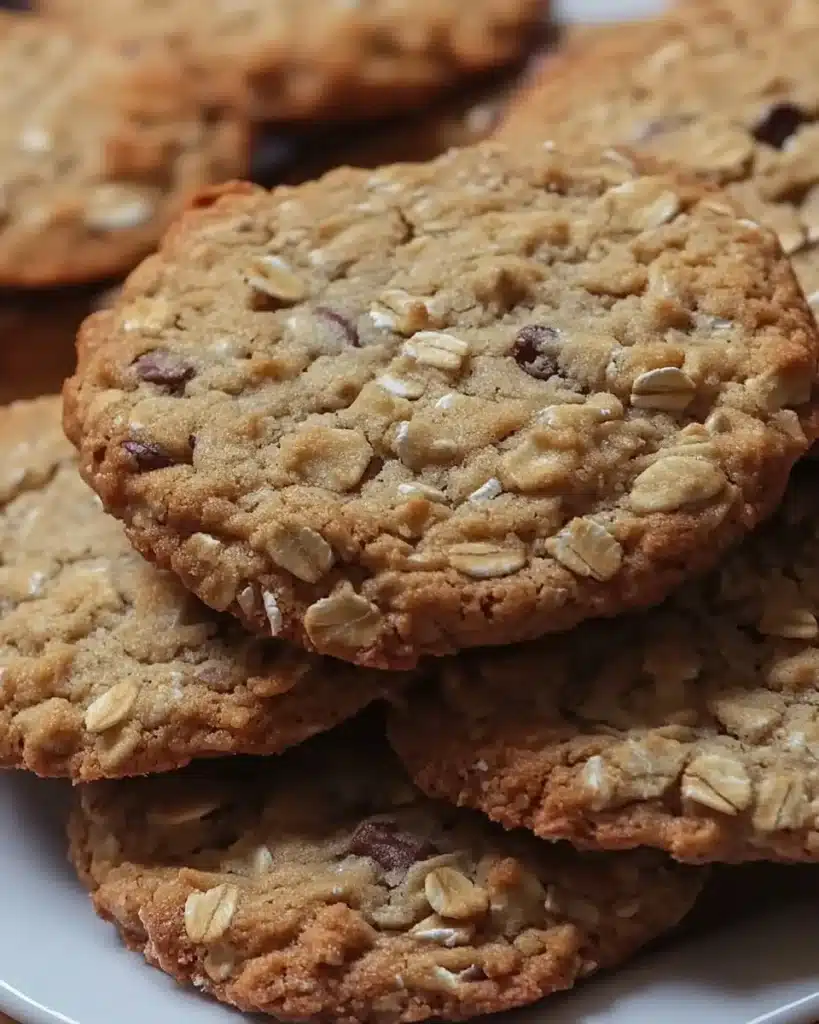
(779, 124)
(531, 351)
(346, 327)
(163, 368)
(392, 849)
(148, 456)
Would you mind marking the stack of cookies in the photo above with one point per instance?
(419, 576)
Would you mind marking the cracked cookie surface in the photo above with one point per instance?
(726, 90)
(109, 667)
(693, 727)
(98, 151)
(306, 59)
(321, 886)
(444, 405)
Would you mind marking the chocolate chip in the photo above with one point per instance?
(392, 849)
(531, 351)
(148, 456)
(163, 368)
(346, 327)
(779, 124)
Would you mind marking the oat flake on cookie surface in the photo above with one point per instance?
(443, 405)
(108, 666)
(321, 886)
(693, 727)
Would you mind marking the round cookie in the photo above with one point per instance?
(728, 93)
(110, 667)
(98, 151)
(693, 727)
(310, 59)
(446, 405)
(322, 887)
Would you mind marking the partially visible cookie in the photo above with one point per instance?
(109, 667)
(728, 91)
(320, 886)
(310, 59)
(693, 727)
(98, 150)
(450, 404)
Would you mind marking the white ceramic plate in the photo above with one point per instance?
(59, 964)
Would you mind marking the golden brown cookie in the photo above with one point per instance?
(310, 59)
(452, 404)
(98, 150)
(693, 727)
(320, 886)
(109, 667)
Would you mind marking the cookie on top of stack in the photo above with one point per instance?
(447, 405)
(369, 440)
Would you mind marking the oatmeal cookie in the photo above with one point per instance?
(730, 93)
(451, 404)
(98, 150)
(109, 667)
(320, 886)
(310, 59)
(693, 727)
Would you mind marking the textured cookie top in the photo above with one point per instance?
(109, 667)
(693, 727)
(451, 404)
(321, 886)
(301, 59)
(729, 91)
(97, 151)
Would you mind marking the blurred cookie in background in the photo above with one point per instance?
(98, 151)
(313, 59)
